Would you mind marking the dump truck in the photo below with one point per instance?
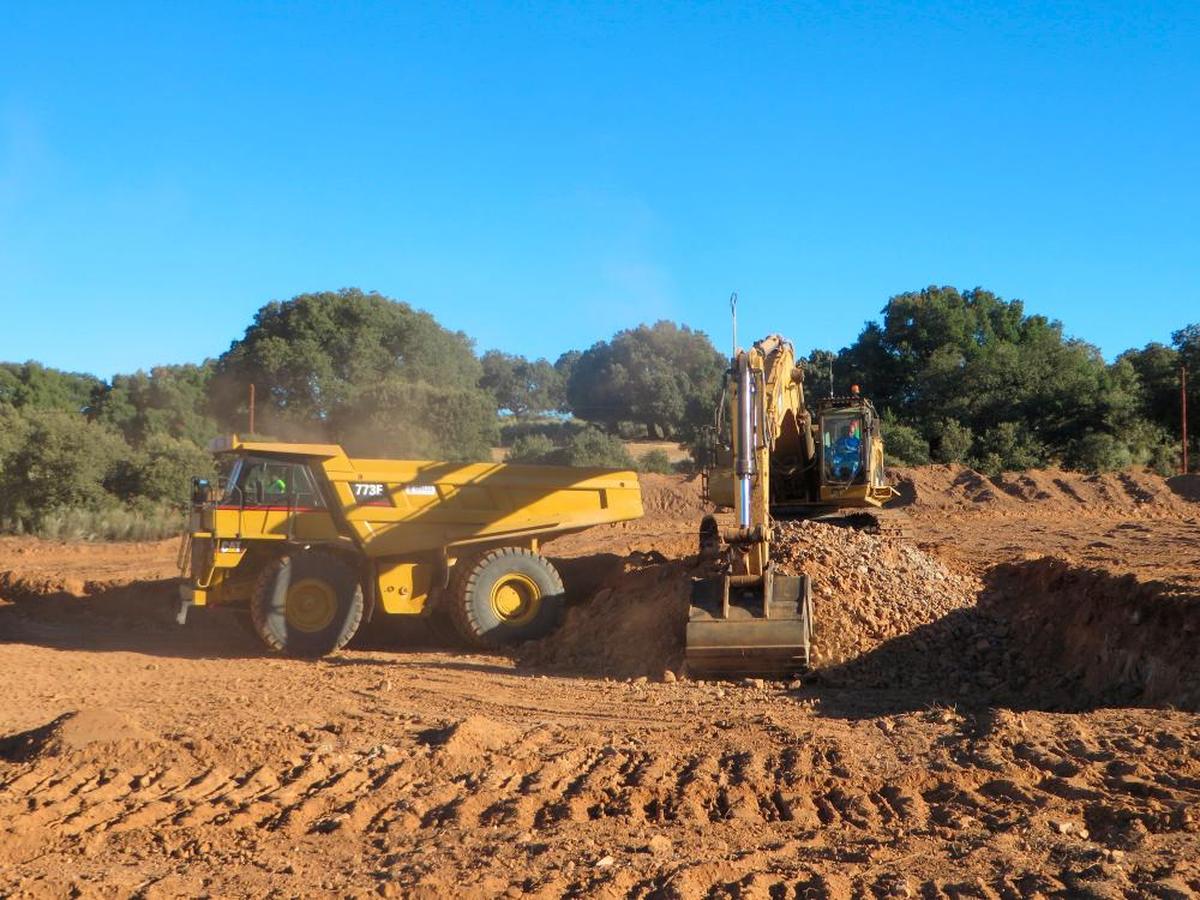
(312, 541)
(783, 459)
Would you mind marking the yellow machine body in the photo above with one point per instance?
(783, 458)
(405, 521)
(803, 461)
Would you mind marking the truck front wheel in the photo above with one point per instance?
(307, 604)
(504, 596)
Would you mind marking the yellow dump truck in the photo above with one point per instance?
(311, 541)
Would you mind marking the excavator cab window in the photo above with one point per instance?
(843, 447)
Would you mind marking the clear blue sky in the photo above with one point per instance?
(542, 175)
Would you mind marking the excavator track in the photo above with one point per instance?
(892, 523)
(889, 523)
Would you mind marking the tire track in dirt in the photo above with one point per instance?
(975, 783)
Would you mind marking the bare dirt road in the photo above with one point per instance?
(985, 722)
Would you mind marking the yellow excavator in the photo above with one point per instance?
(782, 459)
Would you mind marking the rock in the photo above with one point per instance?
(1063, 827)
(668, 677)
(606, 862)
(642, 679)
(795, 685)
(660, 845)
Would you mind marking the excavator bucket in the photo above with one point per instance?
(743, 626)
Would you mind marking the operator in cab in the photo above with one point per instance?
(844, 462)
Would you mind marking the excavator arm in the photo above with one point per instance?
(750, 619)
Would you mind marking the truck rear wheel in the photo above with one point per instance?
(307, 604)
(504, 596)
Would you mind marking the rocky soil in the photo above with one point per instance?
(985, 720)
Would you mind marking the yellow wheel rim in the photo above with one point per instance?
(515, 599)
(311, 605)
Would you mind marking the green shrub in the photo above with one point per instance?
(1009, 447)
(412, 420)
(655, 461)
(904, 446)
(557, 430)
(63, 462)
(531, 448)
(1099, 452)
(951, 441)
(137, 522)
(592, 447)
(167, 466)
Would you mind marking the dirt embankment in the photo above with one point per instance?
(1116, 640)
(1040, 634)
(31, 569)
(1128, 494)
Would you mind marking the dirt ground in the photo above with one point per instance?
(1004, 705)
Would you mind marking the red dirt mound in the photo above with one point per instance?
(631, 627)
(672, 497)
(867, 589)
(1131, 493)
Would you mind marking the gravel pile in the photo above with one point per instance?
(867, 588)
(886, 614)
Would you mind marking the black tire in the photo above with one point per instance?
(480, 585)
(307, 604)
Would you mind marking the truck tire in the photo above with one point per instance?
(505, 596)
(307, 604)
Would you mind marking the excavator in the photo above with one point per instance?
(783, 459)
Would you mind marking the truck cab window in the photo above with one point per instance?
(274, 483)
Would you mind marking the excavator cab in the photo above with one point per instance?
(843, 446)
(850, 455)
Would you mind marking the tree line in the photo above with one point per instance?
(959, 376)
